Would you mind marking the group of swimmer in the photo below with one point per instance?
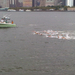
(55, 34)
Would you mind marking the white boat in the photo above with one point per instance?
(21, 10)
(11, 10)
(28, 10)
(5, 23)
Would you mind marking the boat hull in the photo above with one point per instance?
(7, 25)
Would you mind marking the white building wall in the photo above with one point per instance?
(50, 2)
(4, 3)
(1, 3)
(69, 3)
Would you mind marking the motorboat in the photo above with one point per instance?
(28, 10)
(5, 22)
(21, 10)
(2, 25)
(11, 10)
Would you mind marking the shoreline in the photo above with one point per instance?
(37, 11)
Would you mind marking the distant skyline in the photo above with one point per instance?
(20, 0)
(29, 3)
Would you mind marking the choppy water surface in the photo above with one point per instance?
(22, 53)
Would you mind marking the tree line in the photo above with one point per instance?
(42, 8)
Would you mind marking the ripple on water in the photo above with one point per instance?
(4, 69)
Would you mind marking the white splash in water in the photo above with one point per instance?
(67, 35)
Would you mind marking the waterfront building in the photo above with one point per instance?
(20, 1)
(1, 3)
(56, 2)
(15, 3)
(71, 9)
(39, 3)
(4, 3)
(42, 3)
(27, 3)
(60, 2)
(12, 3)
(74, 3)
(64, 2)
(33, 3)
(69, 3)
(50, 3)
(36, 3)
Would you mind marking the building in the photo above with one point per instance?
(56, 2)
(21, 1)
(15, 3)
(74, 3)
(50, 3)
(60, 2)
(69, 3)
(27, 3)
(1, 3)
(64, 2)
(71, 9)
(4, 3)
(33, 3)
(42, 3)
(37, 2)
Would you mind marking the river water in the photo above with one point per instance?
(22, 53)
